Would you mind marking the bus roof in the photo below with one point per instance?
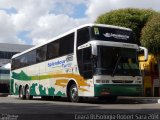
(70, 31)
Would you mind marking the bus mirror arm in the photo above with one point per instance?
(145, 53)
(94, 50)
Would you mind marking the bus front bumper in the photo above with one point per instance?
(117, 90)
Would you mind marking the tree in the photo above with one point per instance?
(150, 36)
(130, 18)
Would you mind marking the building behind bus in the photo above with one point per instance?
(150, 72)
(6, 52)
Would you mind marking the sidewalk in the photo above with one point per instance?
(124, 99)
(140, 99)
(4, 94)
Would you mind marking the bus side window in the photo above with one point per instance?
(82, 36)
(23, 61)
(31, 57)
(16, 63)
(53, 50)
(41, 54)
(66, 44)
(13, 65)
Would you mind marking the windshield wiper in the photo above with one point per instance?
(115, 68)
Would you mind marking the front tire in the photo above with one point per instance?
(73, 93)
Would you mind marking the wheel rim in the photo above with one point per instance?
(74, 93)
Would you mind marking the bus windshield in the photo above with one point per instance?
(112, 34)
(117, 61)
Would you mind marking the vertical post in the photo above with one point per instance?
(158, 62)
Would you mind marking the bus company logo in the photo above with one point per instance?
(107, 35)
(69, 58)
(117, 36)
(57, 63)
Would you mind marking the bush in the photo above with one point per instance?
(150, 36)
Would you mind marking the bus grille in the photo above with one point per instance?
(122, 81)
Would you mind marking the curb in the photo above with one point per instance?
(4, 94)
(141, 99)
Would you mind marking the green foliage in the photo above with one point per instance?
(150, 36)
(130, 18)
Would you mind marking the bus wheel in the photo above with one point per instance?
(73, 93)
(21, 96)
(27, 94)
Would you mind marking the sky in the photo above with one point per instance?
(34, 22)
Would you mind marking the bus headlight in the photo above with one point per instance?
(139, 78)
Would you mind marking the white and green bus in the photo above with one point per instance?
(93, 60)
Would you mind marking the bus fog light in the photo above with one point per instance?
(139, 82)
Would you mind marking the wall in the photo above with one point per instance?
(150, 72)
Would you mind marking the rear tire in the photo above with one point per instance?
(73, 93)
(27, 94)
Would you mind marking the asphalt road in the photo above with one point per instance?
(12, 108)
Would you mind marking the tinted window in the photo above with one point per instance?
(83, 36)
(117, 61)
(60, 47)
(85, 62)
(53, 49)
(14, 64)
(112, 34)
(24, 60)
(31, 57)
(41, 54)
(67, 44)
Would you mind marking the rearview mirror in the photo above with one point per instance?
(92, 44)
(145, 51)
